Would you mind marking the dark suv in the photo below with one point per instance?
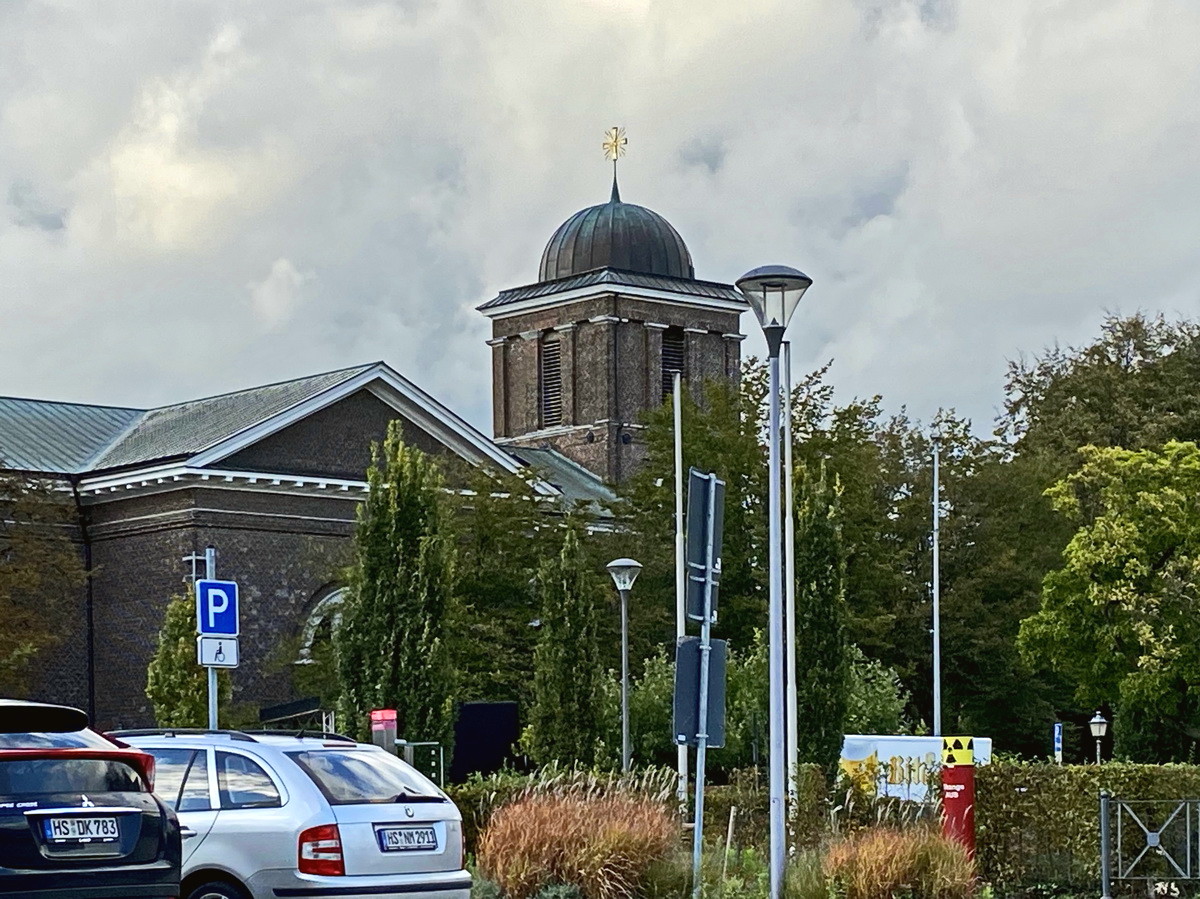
(77, 815)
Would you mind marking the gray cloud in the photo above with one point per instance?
(261, 191)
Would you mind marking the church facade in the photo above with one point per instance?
(272, 475)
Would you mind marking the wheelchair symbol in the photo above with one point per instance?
(220, 653)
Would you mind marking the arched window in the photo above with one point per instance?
(323, 620)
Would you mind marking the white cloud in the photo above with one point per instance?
(963, 180)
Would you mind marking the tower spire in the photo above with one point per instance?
(614, 148)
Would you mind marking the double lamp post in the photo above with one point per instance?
(773, 292)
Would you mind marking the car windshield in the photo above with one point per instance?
(353, 776)
(32, 777)
(79, 739)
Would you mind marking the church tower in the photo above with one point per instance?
(581, 355)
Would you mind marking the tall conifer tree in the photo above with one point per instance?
(822, 650)
(565, 720)
(391, 646)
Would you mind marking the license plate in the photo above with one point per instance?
(79, 829)
(404, 839)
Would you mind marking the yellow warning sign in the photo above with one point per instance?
(958, 751)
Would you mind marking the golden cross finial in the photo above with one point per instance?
(614, 148)
(614, 143)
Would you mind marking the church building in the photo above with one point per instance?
(272, 475)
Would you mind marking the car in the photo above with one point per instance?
(78, 819)
(268, 815)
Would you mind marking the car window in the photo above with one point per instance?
(79, 739)
(348, 776)
(170, 765)
(32, 777)
(244, 784)
(195, 796)
(181, 778)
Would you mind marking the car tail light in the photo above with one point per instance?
(146, 763)
(321, 851)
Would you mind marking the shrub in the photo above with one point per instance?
(482, 888)
(479, 797)
(883, 863)
(1038, 824)
(604, 845)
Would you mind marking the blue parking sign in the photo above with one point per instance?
(217, 608)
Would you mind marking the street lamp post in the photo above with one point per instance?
(624, 572)
(1099, 726)
(774, 292)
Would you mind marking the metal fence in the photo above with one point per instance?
(1149, 847)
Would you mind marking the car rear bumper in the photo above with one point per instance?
(279, 884)
(154, 881)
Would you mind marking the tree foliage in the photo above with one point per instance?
(822, 661)
(41, 575)
(176, 686)
(565, 721)
(1120, 615)
(392, 644)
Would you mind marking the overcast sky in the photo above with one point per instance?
(202, 196)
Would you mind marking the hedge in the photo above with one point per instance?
(1038, 824)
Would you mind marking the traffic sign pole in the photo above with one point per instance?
(702, 715)
(210, 573)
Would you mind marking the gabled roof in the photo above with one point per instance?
(187, 428)
(40, 435)
(702, 290)
(64, 438)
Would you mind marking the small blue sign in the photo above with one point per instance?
(217, 608)
(1058, 741)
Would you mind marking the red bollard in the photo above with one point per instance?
(958, 791)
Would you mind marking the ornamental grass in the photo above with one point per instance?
(883, 863)
(602, 844)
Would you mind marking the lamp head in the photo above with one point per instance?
(774, 292)
(624, 572)
(1099, 725)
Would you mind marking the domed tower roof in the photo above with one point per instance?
(616, 235)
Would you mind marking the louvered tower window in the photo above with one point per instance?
(672, 358)
(550, 383)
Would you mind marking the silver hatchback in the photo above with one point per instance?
(275, 815)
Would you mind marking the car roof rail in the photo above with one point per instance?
(302, 734)
(238, 735)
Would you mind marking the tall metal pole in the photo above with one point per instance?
(624, 680)
(210, 572)
(937, 594)
(789, 584)
(777, 708)
(680, 568)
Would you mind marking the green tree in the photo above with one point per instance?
(1120, 615)
(391, 646)
(41, 575)
(175, 685)
(565, 722)
(506, 530)
(822, 660)
(875, 698)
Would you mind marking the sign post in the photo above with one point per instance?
(217, 628)
(1058, 742)
(705, 524)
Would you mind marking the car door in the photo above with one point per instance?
(254, 830)
(183, 780)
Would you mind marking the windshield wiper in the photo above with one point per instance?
(416, 797)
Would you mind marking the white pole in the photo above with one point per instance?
(937, 613)
(680, 571)
(777, 708)
(789, 585)
(210, 572)
(625, 752)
